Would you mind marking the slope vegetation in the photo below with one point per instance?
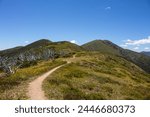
(14, 87)
(39, 50)
(98, 76)
(100, 70)
(105, 46)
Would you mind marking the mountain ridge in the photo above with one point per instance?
(40, 50)
(110, 72)
(45, 49)
(146, 53)
(106, 46)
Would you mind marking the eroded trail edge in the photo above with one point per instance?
(35, 91)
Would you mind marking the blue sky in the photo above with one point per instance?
(124, 22)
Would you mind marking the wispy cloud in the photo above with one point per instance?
(108, 8)
(26, 42)
(146, 48)
(73, 41)
(138, 42)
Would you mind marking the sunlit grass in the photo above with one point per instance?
(15, 86)
(98, 76)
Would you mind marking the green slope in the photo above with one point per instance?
(65, 45)
(98, 76)
(105, 46)
(101, 70)
(40, 46)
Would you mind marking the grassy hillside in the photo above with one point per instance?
(64, 48)
(39, 50)
(100, 70)
(39, 43)
(65, 45)
(15, 85)
(105, 46)
(98, 76)
(40, 46)
(35, 46)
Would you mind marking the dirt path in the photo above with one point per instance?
(35, 87)
(35, 91)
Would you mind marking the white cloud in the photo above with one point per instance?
(138, 42)
(73, 41)
(136, 48)
(146, 48)
(108, 8)
(26, 41)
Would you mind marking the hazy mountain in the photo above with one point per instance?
(106, 46)
(146, 53)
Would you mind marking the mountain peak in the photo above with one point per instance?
(102, 46)
(41, 42)
(105, 46)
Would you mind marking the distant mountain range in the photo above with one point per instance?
(146, 53)
(45, 49)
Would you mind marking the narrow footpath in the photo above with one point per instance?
(35, 91)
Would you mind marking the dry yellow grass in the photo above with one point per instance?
(15, 86)
(98, 76)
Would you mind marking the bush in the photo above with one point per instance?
(28, 64)
(73, 94)
(76, 94)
